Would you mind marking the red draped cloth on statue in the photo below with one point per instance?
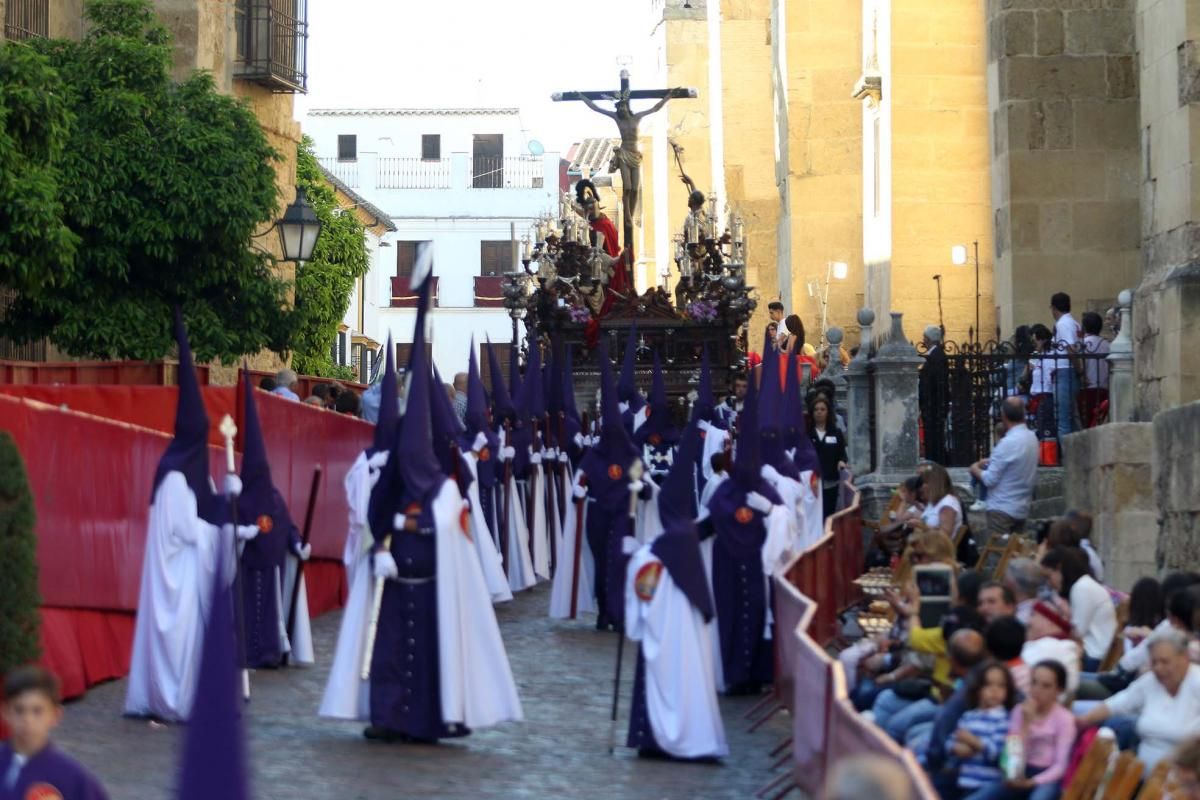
(619, 283)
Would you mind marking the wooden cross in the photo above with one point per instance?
(627, 157)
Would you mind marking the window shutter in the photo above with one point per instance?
(347, 147)
(431, 146)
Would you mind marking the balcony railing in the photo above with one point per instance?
(489, 291)
(413, 173)
(344, 171)
(272, 43)
(404, 296)
(511, 172)
(26, 19)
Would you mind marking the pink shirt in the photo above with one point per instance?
(1047, 742)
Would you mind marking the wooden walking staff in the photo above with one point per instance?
(507, 499)
(635, 475)
(304, 537)
(373, 627)
(229, 431)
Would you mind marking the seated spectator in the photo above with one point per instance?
(1048, 638)
(1185, 763)
(1081, 525)
(1166, 701)
(968, 652)
(347, 403)
(1005, 637)
(1093, 615)
(332, 394)
(924, 547)
(888, 541)
(978, 741)
(286, 384)
(943, 511)
(1047, 731)
(267, 384)
(977, 488)
(321, 392)
(867, 776)
(1010, 474)
(314, 400)
(1025, 578)
(996, 600)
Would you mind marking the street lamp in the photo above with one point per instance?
(299, 229)
(514, 300)
(959, 257)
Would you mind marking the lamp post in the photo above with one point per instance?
(958, 255)
(834, 269)
(514, 300)
(299, 228)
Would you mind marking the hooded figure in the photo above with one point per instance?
(346, 694)
(713, 431)
(779, 470)
(632, 402)
(657, 435)
(187, 528)
(447, 431)
(510, 503)
(800, 448)
(606, 481)
(750, 533)
(572, 435)
(668, 610)
(532, 408)
(438, 666)
(268, 568)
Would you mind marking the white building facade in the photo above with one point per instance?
(456, 183)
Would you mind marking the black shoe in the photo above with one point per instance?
(378, 733)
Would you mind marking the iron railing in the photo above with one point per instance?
(512, 172)
(344, 171)
(26, 19)
(272, 43)
(412, 173)
(961, 401)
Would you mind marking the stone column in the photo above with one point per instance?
(858, 399)
(895, 369)
(1120, 365)
(833, 368)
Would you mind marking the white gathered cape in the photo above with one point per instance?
(564, 575)
(677, 645)
(485, 545)
(182, 554)
(477, 687)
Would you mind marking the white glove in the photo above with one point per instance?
(304, 552)
(247, 532)
(379, 460)
(535, 458)
(385, 566)
(704, 425)
(759, 503)
(233, 485)
(580, 441)
(508, 453)
(480, 442)
(563, 457)
(635, 487)
(629, 545)
(623, 407)
(579, 491)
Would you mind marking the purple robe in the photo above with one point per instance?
(50, 770)
(263, 562)
(405, 686)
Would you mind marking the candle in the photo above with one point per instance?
(526, 249)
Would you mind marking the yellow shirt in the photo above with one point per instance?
(931, 640)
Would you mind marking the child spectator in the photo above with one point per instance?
(979, 739)
(30, 765)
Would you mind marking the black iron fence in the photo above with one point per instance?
(26, 19)
(272, 43)
(963, 387)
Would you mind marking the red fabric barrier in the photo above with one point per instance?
(86, 647)
(325, 585)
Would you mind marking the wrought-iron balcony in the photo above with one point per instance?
(26, 19)
(272, 43)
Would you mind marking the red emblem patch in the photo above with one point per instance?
(265, 524)
(646, 580)
(413, 509)
(615, 472)
(485, 454)
(43, 791)
(648, 410)
(743, 515)
(703, 434)
(655, 439)
(813, 481)
(464, 521)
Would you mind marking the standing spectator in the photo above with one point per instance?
(1010, 475)
(796, 344)
(1039, 377)
(460, 396)
(934, 395)
(775, 314)
(1092, 613)
(1067, 336)
(732, 407)
(1022, 349)
(286, 384)
(943, 510)
(830, 444)
(1093, 396)
(979, 739)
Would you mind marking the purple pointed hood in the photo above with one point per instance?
(770, 418)
(705, 407)
(389, 405)
(747, 464)
(260, 501)
(502, 403)
(677, 497)
(532, 393)
(627, 391)
(658, 429)
(476, 419)
(607, 461)
(678, 547)
(445, 427)
(187, 453)
(214, 757)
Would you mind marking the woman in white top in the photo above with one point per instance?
(943, 511)
(1093, 615)
(1166, 700)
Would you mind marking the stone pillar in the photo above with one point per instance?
(858, 399)
(833, 368)
(1120, 366)
(895, 369)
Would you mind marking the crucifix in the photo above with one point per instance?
(627, 158)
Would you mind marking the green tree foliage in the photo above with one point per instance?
(165, 184)
(36, 248)
(19, 617)
(324, 283)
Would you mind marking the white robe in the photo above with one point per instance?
(812, 522)
(539, 536)
(182, 555)
(714, 442)
(481, 533)
(677, 645)
(790, 491)
(564, 576)
(298, 642)
(520, 566)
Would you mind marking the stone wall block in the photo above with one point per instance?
(1121, 76)
(1106, 124)
(1055, 226)
(1038, 77)
(1017, 33)
(1048, 27)
(1189, 73)
(1106, 225)
(1100, 31)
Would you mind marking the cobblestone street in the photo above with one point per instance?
(564, 674)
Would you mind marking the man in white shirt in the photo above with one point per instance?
(1067, 336)
(1010, 474)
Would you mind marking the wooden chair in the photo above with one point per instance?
(1086, 780)
(1117, 648)
(1127, 774)
(994, 557)
(894, 507)
(1156, 785)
